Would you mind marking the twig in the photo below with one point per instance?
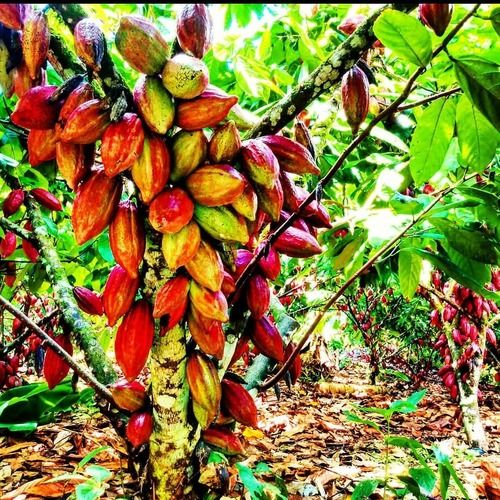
(431, 98)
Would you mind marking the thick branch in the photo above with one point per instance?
(324, 77)
(18, 230)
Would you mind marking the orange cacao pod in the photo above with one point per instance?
(206, 268)
(11, 15)
(54, 367)
(35, 42)
(126, 238)
(41, 146)
(89, 43)
(139, 428)
(185, 77)
(46, 199)
(74, 161)
(134, 338)
(180, 247)
(189, 150)
(87, 123)
(171, 210)
(247, 203)
(13, 202)
(172, 300)
(194, 29)
(228, 284)
(122, 144)
(225, 143)
(260, 163)
(239, 403)
(34, 110)
(95, 204)
(119, 293)
(83, 93)
(88, 301)
(223, 439)
(130, 396)
(258, 295)
(215, 185)
(151, 170)
(297, 243)
(355, 97)
(267, 338)
(211, 304)
(206, 332)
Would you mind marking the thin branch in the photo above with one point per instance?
(82, 372)
(431, 98)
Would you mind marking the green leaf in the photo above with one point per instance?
(480, 272)
(352, 417)
(89, 491)
(405, 36)
(480, 81)
(495, 19)
(89, 456)
(345, 256)
(402, 204)
(416, 397)
(444, 480)
(254, 487)
(364, 489)
(99, 473)
(473, 244)
(477, 138)
(425, 478)
(403, 442)
(431, 139)
(409, 269)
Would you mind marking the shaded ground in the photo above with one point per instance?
(304, 438)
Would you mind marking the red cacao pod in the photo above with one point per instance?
(180, 247)
(46, 199)
(243, 258)
(171, 210)
(241, 348)
(436, 15)
(172, 300)
(205, 267)
(126, 238)
(206, 332)
(302, 135)
(83, 93)
(267, 338)
(87, 123)
(228, 284)
(297, 243)
(270, 264)
(119, 293)
(11, 15)
(260, 163)
(88, 301)
(95, 204)
(211, 304)
(22, 80)
(74, 162)
(35, 42)
(13, 202)
(194, 29)
(30, 250)
(34, 109)
(139, 428)
(122, 144)
(355, 97)
(223, 439)
(130, 396)
(8, 244)
(239, 403)
(41, 146)
(54, 367)
(134, 338)
(89, 43)
(258, 295)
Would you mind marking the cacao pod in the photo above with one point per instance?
(185, 77)
(206, 332)
(155, 104)
(194, 29)
(87, 123)
(241, 348)
(88, 301)
(130, 396)
(239, 403)
(46, 199)
(297, 243)
(119, 293)
(292, 156)
(23, 82)
(243, 258)
(247, 203)
(270, 200)
(74, 162)
(11, 15)
(303, 136)
(95, 205)
(13, 202)
(126, 238)
(211, 304)
(35, 42)
(189, 150)
(223, 439)
(225, 143)
(83, 93)
(89, 43)
(270, 264)
(141, 44)
(228, 284)
(436, 15)
(8, 244)
(41, 146)
(206, 268)
(296, 367)
(267, 338)
(215, 185)
(180, 247)
(151, 170)
(355, 97)
(258, 295)
(134, 338)
(122, 143)
(34, 109)
(29, 250)
(221, 223)
(139, 428)
(260, 163)
(172, 300)
(54, 367)
(171, 210)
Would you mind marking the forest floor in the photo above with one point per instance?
(304, 442)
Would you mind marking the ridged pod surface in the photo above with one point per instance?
(436, 15)
(35, 42)
(88, 301)
(355, 97)
(41, 146)
(89, 43)
(260, 163)
(180, 247)
(225, 143)
(139, 428)
(119, 293)
(130, 396)
(297, 243)
(258, 295)
(74, 162)
(211, 304)
(87, 123)
(184, 76)
(206, 332)
(34, 109)
(221, 223)
(171, 300)
(267, 338)
(54, 367)
(46, 199)
(189, 150)
(206, 268)
(239, 403)
(194, 29)
(223, 439)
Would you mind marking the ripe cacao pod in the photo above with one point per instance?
(258, 295)
(95, 205)
(74, 162)
(185, 77)
(302, 135)
(180, 247)
(8, 244)
(172, 300)
(122, 143)
(297, 243)
(189, 150)
(11, 15)
(215, 185)
(436, 15)
(141, 44)
(41, 146)
(151, 170)
(211, 304)
(13, 202)
(30, 250)
(223, 439)
(221, 223)
(83, 93)
(205, 267)
(34, 109)
(206, 332)
(35, 42)
(119, 293)
(292, 156)
(155, 104)
(46, 199)
(225, 143)
(270, 264)
(54, 367)
(247, 203)
(88, 301)
(355, 97)
(267, 338)
(243, 258)
(206, 110)
(126, 238)
(87, 123)
(194, 29)
(260, 163)
(228, 284)
(89, 43)
(239, 403)
(130, 396)
(23, 82)
(270, 200)
(241, 348)
(171, 210)
(134, 338)
(139, 428)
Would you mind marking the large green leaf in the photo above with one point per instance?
(364, 489)
(479, 271)
(495, 19)
(477, 138)
(480, 81)
(405, 36)
(431, 140)
(425, 478)
(409, 269)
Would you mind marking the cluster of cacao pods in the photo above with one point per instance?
(201, 195)
(464, 328)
